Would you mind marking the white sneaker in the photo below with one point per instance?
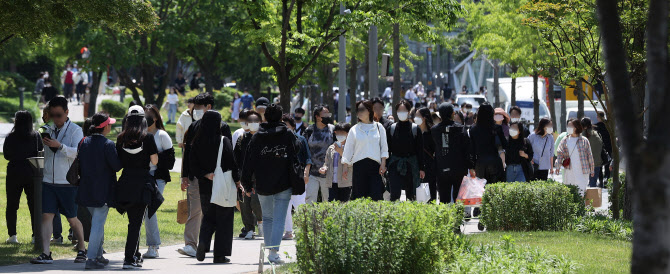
(249, 236)
(275, 258)
(260, 231)
(12, 240)
(152, 252)
(187, 250)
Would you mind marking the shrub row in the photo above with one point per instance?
(114, 108)
(377, 237)
(9, 106)
(528, 206)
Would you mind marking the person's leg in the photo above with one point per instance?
(208, 226)
(520, 177)
(375, 185)
(332, 192)
(281, 201)
(510, 174)
(357, 181)
(267, 205)
(13, 191)
(257, 209)
(47, 229)
(151, 224)
(248, 219)
(344, 194)
(135, 218)
(312, 189)
(432, 185)
(85, 217)
(192, 227)
(57, 226)
(325, 193)
(542, 175)
(444, 188)
(30, 197)
(98, 219)
(288, 223)
(455, 181)
(408, 185)
(223, 242)
(396, 181)
(593, 180)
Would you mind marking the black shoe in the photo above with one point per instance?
(43, 259)
(221, 260)
(476, 212)
(94, 264)
(243, 233)
(103, 260)
(201, 252)
(131, 265)
(81, 256)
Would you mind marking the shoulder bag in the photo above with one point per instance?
(72, 175)
(224, 191)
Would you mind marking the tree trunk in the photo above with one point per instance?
(396, 66)
(367, 82)
(564, 112)
(536, 101)
(648, 160)
(95, 87)
(353, 85)
(496, 82)
(580, 99)
(550, 97)
(284, 92)
(616, 183)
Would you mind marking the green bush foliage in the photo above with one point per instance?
(113, 108)
(528, 206)
(362, 236)
(622, 191)
(602, 225)
(9, 106)
(10, 83)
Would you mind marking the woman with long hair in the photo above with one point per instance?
(542, 141)
(136, 189)
(235, 107)
(488, 140)
(202, 162)
(574, 154)
(22, 143)
(424, 119)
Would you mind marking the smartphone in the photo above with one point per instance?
(45, 135)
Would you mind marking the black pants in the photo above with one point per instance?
(446, 181)
(85, 218)
(492, 171)
(250, 209)
(604, 176)
(367, 183)
(135, 218)
(401, 182)
(217, 219)
(341, 194)
(541, 175)
(15, 186)
(431, 179)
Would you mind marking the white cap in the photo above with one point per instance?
(136, 111)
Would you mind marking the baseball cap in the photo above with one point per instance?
(136, 111)
(262, 102)
(109, 121)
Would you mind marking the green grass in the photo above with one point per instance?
(116, 227)
(594, 254)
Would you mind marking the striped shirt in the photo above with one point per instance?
(584, 150)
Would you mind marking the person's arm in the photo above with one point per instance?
(152, 149)
(349, 148)
(70, 150)
(418, 150)
(384, 151)
(8, 147)
(179, 131)
(112, 157)
(551, 151)
(186, 166)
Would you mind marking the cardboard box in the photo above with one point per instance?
(594, 196)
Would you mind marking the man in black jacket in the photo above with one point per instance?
(607, 146)
(452, 153)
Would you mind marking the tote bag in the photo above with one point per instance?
(224, 192)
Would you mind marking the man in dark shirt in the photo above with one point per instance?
(607, 146)
(405, 146)
(180, 83)
(48, 92)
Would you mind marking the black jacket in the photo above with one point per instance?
(403, 143)
(452, 148)
(98, 164)
(486, 142)
(607, 140)
(188, 138)
(202, 161)
(17, 150)
(512, 156)
(270, 155)
(166, 161)
(385, 122)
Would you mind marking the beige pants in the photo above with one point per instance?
(192, 228)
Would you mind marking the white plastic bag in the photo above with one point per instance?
(471, 191)
(423, 193)
(224, 191)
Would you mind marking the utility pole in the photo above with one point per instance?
(342, 75)
(372, 62)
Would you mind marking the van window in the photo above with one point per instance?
(587, 113)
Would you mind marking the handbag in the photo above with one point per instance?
(423, 193)
(72, 175)
(224, 191)
(182, 210)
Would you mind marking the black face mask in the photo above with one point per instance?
(327, 120)
(150, 122)
(297, 118)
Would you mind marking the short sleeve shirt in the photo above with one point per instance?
(137, 156)
(247, 100)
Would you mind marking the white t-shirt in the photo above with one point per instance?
(163, 142)
(365, 141)
(236, 135)
(172, 99)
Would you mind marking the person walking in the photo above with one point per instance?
(67, 78)
(597, 150)
(48, 92)
(305, 158)
(366, 152)
(58, 195)
(21, 143)
(203, 162)
(300, 125)
(424, 120)
(488, 142)
(338, 176)
(250, 206)
(542, 141)
(99, 163)
(172, 103)
(160, 171)
(574, 154)
(518, 154)
(601, 128)
(273, 149)
(235, 107)
(136, 190)
(247, 100)
(405, 143)
(515, 116)
(244, 128)
(319, 136)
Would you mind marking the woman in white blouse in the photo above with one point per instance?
(367, 151)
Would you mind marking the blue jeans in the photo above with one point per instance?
(274, 209)
(515, 173)
(172, 112)
(593, 180)
(151, 224)
(98, 219)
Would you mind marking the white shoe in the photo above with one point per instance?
(260, 231)
(152, 252)
(249, 236)
(187, 250)
(12, 240)
(275, 258)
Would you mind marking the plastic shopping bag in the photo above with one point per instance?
(471, 190)
(423, 193)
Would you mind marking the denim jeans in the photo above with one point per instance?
(172, 112)
(274, 209)
(593, 180)
(98, 219)
(515, 173)
(151, 225)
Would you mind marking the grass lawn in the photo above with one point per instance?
(594, 254)
(116, 227)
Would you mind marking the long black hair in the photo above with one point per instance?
(156, 114)
(134, 131)
(23, 124)
(427, 117)
(485, 116)
(209, 131)
(586, 125)
(539, 130)
(86, 128)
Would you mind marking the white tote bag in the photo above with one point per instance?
(423, 193)
(224, 192)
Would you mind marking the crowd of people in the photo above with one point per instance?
(276, 161)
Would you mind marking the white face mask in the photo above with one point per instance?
(341, 138)
(513, 132)
(498, 117)
(403, 115)
(254, 126)
(198, 113)
(244, 125)
(418, 121)
(516, 119)
(549, 130)
(570, 130)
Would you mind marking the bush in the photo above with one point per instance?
(362, 236)
(113, 108)
(527, 206)
(10, 83)
(225, 114)
(622, 191)
(602, 225)
(9, 106)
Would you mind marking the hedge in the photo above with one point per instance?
(10, 83)
(362, 236)
(9, 106)
(528, 206)
(113, 108)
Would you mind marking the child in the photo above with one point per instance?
(338, 176)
